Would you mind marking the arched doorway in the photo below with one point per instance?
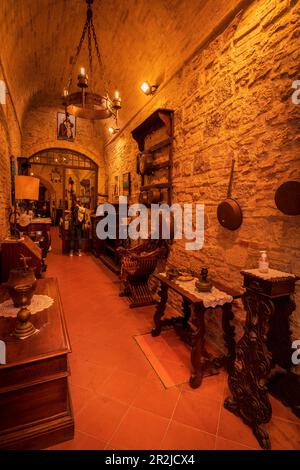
(64, 175)
(57, 167)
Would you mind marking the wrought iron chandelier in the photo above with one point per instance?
(84, 104)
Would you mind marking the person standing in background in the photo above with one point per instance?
(76, 224)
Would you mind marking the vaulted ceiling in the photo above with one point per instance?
(139, 40)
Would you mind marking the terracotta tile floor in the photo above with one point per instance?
(118, 400)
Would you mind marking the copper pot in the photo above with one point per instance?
(143, 197)
(154, 195)
(20, 278)
(146, 163)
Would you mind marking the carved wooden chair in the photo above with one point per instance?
(137, 264)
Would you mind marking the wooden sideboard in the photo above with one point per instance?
(36, 410)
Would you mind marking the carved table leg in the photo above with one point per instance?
(186, 309)
(160, 309)
(228, 335)
(247, 379)
(197, 354)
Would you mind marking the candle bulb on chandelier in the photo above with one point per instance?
(117, 101)
(82, 71)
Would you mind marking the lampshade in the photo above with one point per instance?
(27, 187)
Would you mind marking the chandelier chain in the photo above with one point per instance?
(74, 61)
(99, 58)
(84, 104)
(90, 53)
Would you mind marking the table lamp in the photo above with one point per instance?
(26, 187)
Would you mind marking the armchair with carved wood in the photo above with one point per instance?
(137, 264)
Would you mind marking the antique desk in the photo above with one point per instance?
(36, 409)
(191, 327)
(11, 251)
(266, 343)
(42, 225)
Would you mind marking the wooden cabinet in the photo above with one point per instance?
(154, 137)
(36, 409)
(106, 250)
(97, 245)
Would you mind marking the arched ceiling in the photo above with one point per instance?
(139, 40)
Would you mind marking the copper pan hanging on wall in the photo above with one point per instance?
(154, 196)
(146, 160)
(144, 198)
(287, 198)
(229, 212)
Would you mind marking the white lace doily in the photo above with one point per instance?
(38, 303)
(271, 274)
(210, 299)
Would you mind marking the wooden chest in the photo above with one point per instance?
(36, 409)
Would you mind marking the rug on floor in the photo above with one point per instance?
(168, 355)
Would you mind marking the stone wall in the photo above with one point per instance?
(233, 99)
(40, 132)
(10, 143)
(4, 177)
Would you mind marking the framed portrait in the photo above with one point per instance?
(116, 186)
(66, 127)
(126, 184)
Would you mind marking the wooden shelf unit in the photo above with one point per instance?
(157, 120)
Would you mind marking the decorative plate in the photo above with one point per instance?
(182, 278)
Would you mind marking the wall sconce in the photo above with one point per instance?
(113, 130)
(148, 89)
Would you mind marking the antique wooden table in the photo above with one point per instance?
(36, 409)
(266, 342)
(191, 327)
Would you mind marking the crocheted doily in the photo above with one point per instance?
(38, 303)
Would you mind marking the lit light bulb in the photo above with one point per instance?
(111, 130)
(82, 71)
(66, 92)
(117, 95)
(145, 87)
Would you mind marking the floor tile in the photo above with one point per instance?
(140, 429)
(153, 396)
(200, 413)
(81, 441)
(231, 427)
(184, 437)
(225, 444)
(122, 385)
(101, 417)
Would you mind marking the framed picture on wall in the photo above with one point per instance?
(66, 126)
(116, 186)
(126, 184)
